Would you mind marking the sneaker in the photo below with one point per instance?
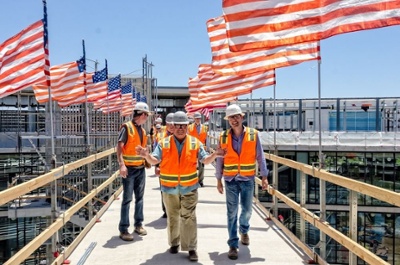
(193, 255)
(140, 230)
(244, 238)
(232, 253)
(126, 236)
(174, 249)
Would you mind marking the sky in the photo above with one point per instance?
(173, 36)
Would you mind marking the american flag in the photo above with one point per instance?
(113, 102)
(114, 87)
(254, 24)
(137, 94)
(22, 60)
(225, 62)
(67, 82)
(208, 86)
(143, 99)
(134, 96)
(126, 98)
(96, 88)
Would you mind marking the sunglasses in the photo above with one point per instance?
(180, 126)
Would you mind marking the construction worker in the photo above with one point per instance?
(132, 170)
(153, 130)
(162, 134)
(238, 168)
(178, 155)
(199, 131)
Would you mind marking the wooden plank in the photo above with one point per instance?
(361, 187)
(33, 184)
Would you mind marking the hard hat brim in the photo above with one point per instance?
(226, 117)
(181, 122)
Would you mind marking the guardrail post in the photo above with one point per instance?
(303, 193)
(353, 224)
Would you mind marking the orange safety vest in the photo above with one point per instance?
(202, 136)
(181, 170)
(245, 163)
(128, 151)
(162, 134)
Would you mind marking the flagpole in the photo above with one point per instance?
(322, 183)
(275, 164)
(108, 114)
(86, 104)
(87, 138)
(53, 191)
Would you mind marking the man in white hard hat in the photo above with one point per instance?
(199, 131)
(238, 169)
(178, 155)
(132, 170)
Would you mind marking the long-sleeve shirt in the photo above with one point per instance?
(237, 146)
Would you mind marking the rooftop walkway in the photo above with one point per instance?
(102, 245)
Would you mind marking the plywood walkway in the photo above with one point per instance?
(102, 244)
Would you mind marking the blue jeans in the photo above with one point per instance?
(134, 183)
(245, 190)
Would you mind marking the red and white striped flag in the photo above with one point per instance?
(254, 24)
(67, 82)
(205, 74)
(22, 60)
(94, 91)
(211, 87)
(225, 62)
(206, 110)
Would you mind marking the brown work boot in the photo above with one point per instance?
(174, 249)
(193, 255)
(244, 238)
(126, 236)
(140, 230)
(233, 253)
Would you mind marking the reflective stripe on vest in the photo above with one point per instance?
(175, 169)
(245, 164)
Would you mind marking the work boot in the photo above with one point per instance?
(244, 238)
(233, 253)
(174, 249)
(140, 230)
(193, 255)
(126, 236)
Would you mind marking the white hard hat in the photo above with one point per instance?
(233, 110)
(169, 118)
(180, 117)
(197, 115)
(159, 120)
(143, 107)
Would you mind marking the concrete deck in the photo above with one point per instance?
(102, 244)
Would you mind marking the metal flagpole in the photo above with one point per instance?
(53, 186)
(275, 164)
(322, 183)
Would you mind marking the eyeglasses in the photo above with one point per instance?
(234, 117)
(180, 126)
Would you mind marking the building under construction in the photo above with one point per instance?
(358, 137)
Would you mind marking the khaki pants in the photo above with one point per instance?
(181, 219)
